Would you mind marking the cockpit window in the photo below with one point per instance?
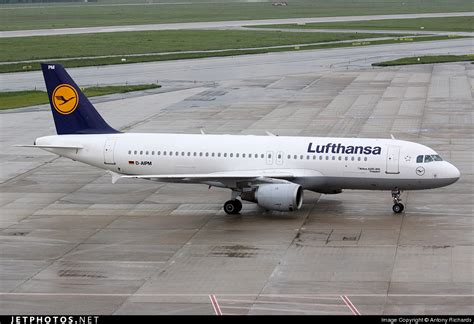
(428, 158)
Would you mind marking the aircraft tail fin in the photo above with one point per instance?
(72, 111)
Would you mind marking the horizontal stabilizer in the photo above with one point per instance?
(74, 147)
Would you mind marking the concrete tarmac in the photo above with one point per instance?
(72, 243)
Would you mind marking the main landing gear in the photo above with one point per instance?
(398, 207)
(233, 206)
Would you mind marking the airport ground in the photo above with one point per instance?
(51, 16)
(74, 243)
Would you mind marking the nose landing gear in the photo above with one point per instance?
(398, 207)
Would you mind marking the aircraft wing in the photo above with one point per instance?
(227, 179)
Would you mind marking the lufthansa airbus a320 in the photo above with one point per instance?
(271, 171)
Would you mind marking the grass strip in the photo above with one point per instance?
(454, 24)
(17, 99)
(427, 60)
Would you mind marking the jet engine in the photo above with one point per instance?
(280, 197)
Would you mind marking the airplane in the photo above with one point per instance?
(272, 171)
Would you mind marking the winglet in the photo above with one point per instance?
(393, 137)
(115, 176)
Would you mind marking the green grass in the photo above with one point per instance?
(39, 16)
(126, 43)
(455, 24)
(5, 68)
(427, 60)
(17, 99)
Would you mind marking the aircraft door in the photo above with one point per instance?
(269, 157)
(279, 158)
(109, 151)
(393, 156)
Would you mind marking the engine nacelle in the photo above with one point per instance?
(280, 197)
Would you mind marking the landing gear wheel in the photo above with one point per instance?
(403, 206)
(238, 204)
(397, 208)
(232, 207)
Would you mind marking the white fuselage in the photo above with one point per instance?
(321, 164)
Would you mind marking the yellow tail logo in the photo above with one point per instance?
(65, 99)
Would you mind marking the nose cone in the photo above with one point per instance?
(453, 173)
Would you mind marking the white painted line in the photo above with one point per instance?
(349, 304)
(215, 304)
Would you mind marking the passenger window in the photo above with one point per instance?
(213, 154)
(200, 153)
(333, 158)
(327, 157)
(146, 152)
(346, 158)
(428, 158)
(358, 159)
(262, 155)
(225, 154)
(289, 157)
(320, 157)
(236, 154)
(135, 152)
(295, 157)
(194, 154)
(365, 158)
(314, 157)
(231, 154)
(307, 157)
(189, 153)
(141, 152)
(279, 156)
(182, 153)
(152, 152)
(129, 152)
(243, 155)
(158, 153)
(218, 154)
(339, 158)
(164, 152)
(352, 158)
